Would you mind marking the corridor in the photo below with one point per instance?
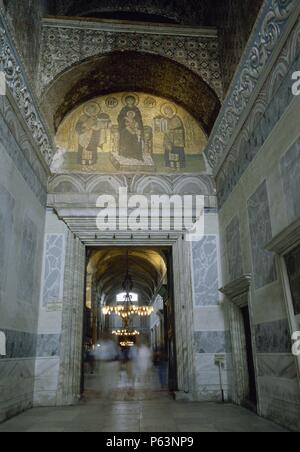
(161, 415)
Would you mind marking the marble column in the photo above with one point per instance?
(72, 323)
(184, 319)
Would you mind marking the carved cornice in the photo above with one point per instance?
(275, 20)
(18, 85)
(67, 42)
(79, 183)
(236, 289)
(286, 239)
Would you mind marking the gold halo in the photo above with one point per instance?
(168, 104)
(92, 105)
(137, 99)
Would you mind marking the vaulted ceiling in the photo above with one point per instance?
(187, 12)
(147, 268)
(130, 71)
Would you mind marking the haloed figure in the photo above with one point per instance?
(92, 128)
(174, 140)
(131, 130)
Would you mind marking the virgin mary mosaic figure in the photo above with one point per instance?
(131, 130)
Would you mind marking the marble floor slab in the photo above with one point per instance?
(114, 404)
(144, 416)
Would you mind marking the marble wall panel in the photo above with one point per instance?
(261, 234)
(20, 344)
(234, 249)
(53, 269)
(18, 147)
(7, 204)
(212, 342)
(205, 270)
(27, 270)
(280, 366)
(290, 171)
(273, 337)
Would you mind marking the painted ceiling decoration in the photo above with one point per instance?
(147, 269)
(130, 132)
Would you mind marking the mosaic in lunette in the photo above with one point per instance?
(130, 132)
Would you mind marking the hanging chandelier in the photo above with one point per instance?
(126, 333)
(127, 309)
(127, 344)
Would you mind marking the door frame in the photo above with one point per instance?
(72, 331)
(238, 296)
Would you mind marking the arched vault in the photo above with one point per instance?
(130, 71)
(147, 268)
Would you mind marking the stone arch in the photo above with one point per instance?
(152, 184)
(130, 71)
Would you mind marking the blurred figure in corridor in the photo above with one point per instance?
(141, 357)
(161, 364)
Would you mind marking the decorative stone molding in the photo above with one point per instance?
(275, 20)
(274, 99)
(18, 85)
(237, 289)
(285, 240)
(140, 184)
(67, 42)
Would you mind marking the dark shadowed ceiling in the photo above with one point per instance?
(187, 12)
(131, 71)
(147, 269)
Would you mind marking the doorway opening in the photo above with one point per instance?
(252, 397)
(129, 345)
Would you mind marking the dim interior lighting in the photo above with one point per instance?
(126, 333)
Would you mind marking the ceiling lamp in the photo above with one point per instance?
(126, 311)
(126, 333)
(127, 344)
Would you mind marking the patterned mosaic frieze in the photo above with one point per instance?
(65, 46)
(18, 85)
(274, 19)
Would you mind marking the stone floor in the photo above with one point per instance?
(112, 404)
(162, 415)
